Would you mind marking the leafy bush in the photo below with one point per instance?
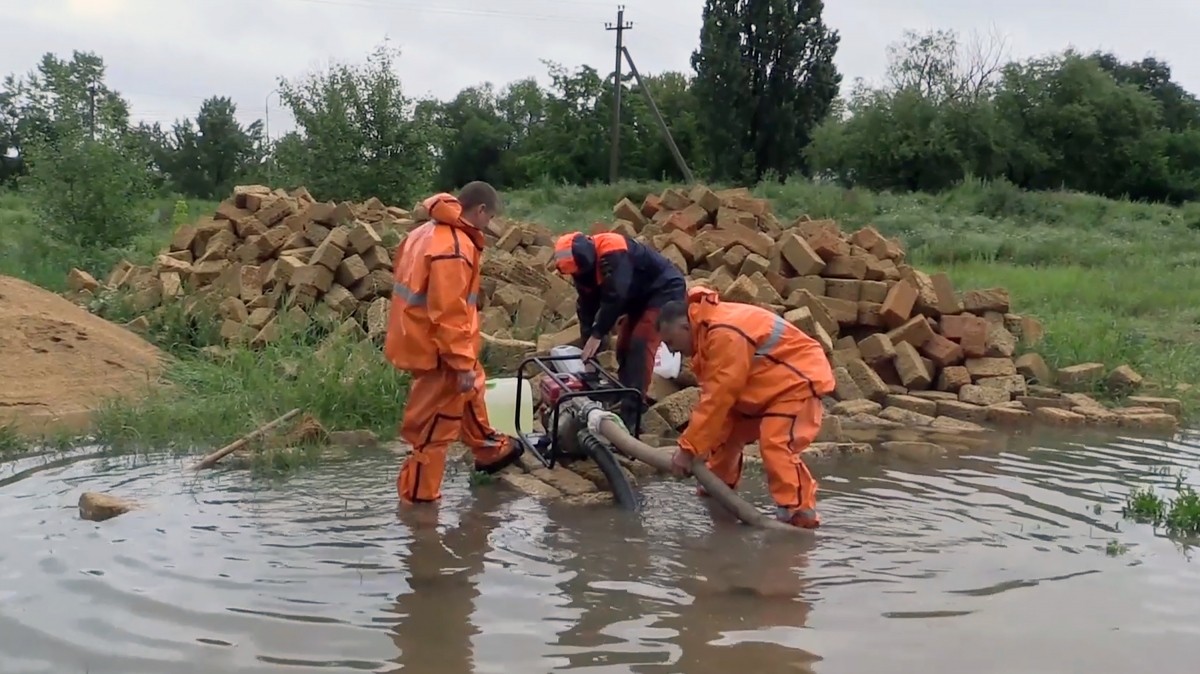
(89, 194)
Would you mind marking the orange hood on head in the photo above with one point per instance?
(697, 294)
(444, 208)
(699, 300)
(564, 258)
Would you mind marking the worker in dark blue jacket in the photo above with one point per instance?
(615, 276)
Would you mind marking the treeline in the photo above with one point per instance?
(1089, 123)
(761, 103)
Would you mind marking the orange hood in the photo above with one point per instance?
(700, 299)
(564, 258)
(697, 294)
(445, 209)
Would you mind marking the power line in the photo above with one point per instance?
(452, 11)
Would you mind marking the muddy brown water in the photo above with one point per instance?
(989, 563)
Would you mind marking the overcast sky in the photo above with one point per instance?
(166, 56)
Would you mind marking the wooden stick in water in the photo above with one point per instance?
(212, 459)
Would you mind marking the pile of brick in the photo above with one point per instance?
(909, 349)
(266, 257)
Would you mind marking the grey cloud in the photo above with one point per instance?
(168, 55)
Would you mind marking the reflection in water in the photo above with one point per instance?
(746, 607)
(433, 626)
(990, 563)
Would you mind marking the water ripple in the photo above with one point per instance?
(1003, 554)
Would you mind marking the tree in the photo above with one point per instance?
(937, 66)
(206, 157)
(764, 79)
(930, 126)
(571, 143)
(1075, 126)
(90, 194)
(359, 135)
(1181, 109)
(474, 139)
(58, 98)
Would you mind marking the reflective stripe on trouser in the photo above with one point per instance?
(436, 415)
(785, 430)
(637, 346)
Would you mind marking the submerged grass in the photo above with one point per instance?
(1177, 514)
(1112, 281)
(12, 443)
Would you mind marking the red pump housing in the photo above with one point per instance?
(552, 388)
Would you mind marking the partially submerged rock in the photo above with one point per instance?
(98, 507)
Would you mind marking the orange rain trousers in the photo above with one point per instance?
(783, 431)
(437, 415)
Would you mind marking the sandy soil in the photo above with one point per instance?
(58, 362)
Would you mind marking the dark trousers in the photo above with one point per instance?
(638, 341)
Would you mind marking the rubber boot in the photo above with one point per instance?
(798, 517)
(516, 449)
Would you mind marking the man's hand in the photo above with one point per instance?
(681, 463)
(466, 381)
(590, 347)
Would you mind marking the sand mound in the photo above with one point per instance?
(58, 362)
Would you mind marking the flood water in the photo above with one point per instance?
(982, 564)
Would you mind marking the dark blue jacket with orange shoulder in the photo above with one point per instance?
(614, 275)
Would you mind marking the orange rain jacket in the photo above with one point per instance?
(748, 361)
(434, 319)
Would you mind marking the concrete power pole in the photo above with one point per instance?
(614, 157)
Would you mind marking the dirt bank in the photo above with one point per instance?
(59, 362)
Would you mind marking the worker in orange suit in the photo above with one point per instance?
(614, 277)
(761, 378)
(433, 333)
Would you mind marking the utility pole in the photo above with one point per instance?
(614, 156)
(266, 142)
(92, 108)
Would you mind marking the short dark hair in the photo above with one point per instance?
(672, 311)
(479, 193)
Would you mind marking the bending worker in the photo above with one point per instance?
(616, 277)
(433, 333)
(761, 378)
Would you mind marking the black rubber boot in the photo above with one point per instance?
(509, 459)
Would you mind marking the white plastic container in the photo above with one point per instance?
(500, 399)
(574, 366)
(667, 363)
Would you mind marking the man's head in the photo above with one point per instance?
(675, 328)
(480, 203)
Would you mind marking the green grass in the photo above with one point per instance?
(26, 253)
(218, 394)
(1112, 281)
(1177, 514)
